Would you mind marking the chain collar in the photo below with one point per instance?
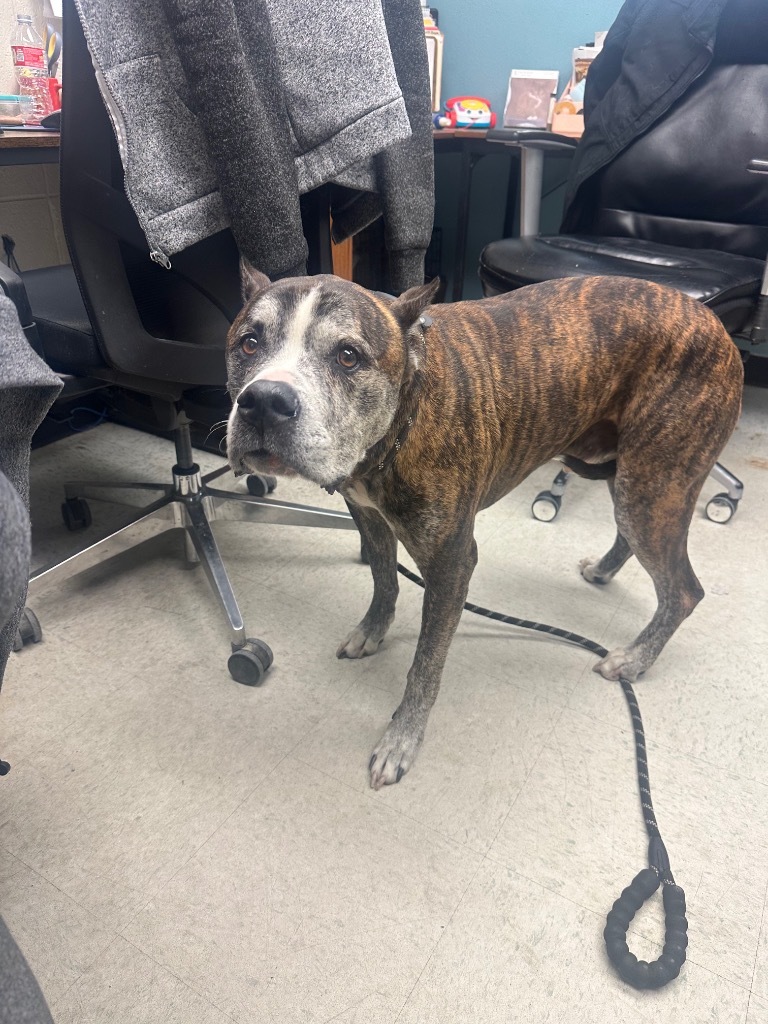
(390, 457)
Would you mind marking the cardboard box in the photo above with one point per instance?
(568, 114)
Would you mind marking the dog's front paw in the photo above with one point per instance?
(619, 664)
(394, 754)
(360, 642)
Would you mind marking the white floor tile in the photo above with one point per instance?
(310, 900)
(108, 809)
(126, 987)
(59, 937)
(760, 981)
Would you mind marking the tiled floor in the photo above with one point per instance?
(177, 848)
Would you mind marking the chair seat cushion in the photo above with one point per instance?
(69, 344)
(726, 282)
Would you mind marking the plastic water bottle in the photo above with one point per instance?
(30, 67)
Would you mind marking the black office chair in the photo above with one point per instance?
(679, 206)
(116, 317)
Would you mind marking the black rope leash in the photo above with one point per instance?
(637, 973)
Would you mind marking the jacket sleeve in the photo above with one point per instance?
(606, 66)
(405, 171)
(405, 193)
(240, 105)
(652, 55)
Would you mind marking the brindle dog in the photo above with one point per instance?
(422, 420)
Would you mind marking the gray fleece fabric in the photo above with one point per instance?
(14, 560)
(27, 390)
(21, 1001)
(227, 110)
(405, 190)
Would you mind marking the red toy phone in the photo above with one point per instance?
(469, 112)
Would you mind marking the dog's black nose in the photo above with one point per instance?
(268, 403)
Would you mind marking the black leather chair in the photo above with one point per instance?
(680, 206)
(118, 318)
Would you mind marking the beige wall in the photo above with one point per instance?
(29, 213)
(29, 194)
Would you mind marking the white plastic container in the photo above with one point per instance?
(15, 109)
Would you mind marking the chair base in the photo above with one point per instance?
(190, 504)
(720, 509)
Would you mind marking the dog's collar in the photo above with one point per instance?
(385, 460)
(393, 452)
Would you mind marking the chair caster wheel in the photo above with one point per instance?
(545, 506)
(721, 508)
(76, 514)
(4, 767)
(29, 631)
(249, 664)
(259, 486)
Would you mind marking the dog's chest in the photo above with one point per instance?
(404, 521)
(359, 494)
(370, 495)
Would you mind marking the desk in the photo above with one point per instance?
(471, 144)
(32, 147)
(20, 147)
(529, 145)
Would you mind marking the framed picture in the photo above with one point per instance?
(530, 97)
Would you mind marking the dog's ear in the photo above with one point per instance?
(252, 280)
(409, 306)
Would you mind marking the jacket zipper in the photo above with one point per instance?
(156, 254)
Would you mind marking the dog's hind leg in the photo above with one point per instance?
(380, 546)
(602, 570)
(670, 435)
(653, 515)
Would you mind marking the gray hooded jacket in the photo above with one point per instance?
(227, 110)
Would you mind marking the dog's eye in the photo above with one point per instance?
(347, 357)
(249, 345)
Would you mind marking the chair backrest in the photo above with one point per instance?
(685, 181)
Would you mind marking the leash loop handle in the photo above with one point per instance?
(639, 973)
